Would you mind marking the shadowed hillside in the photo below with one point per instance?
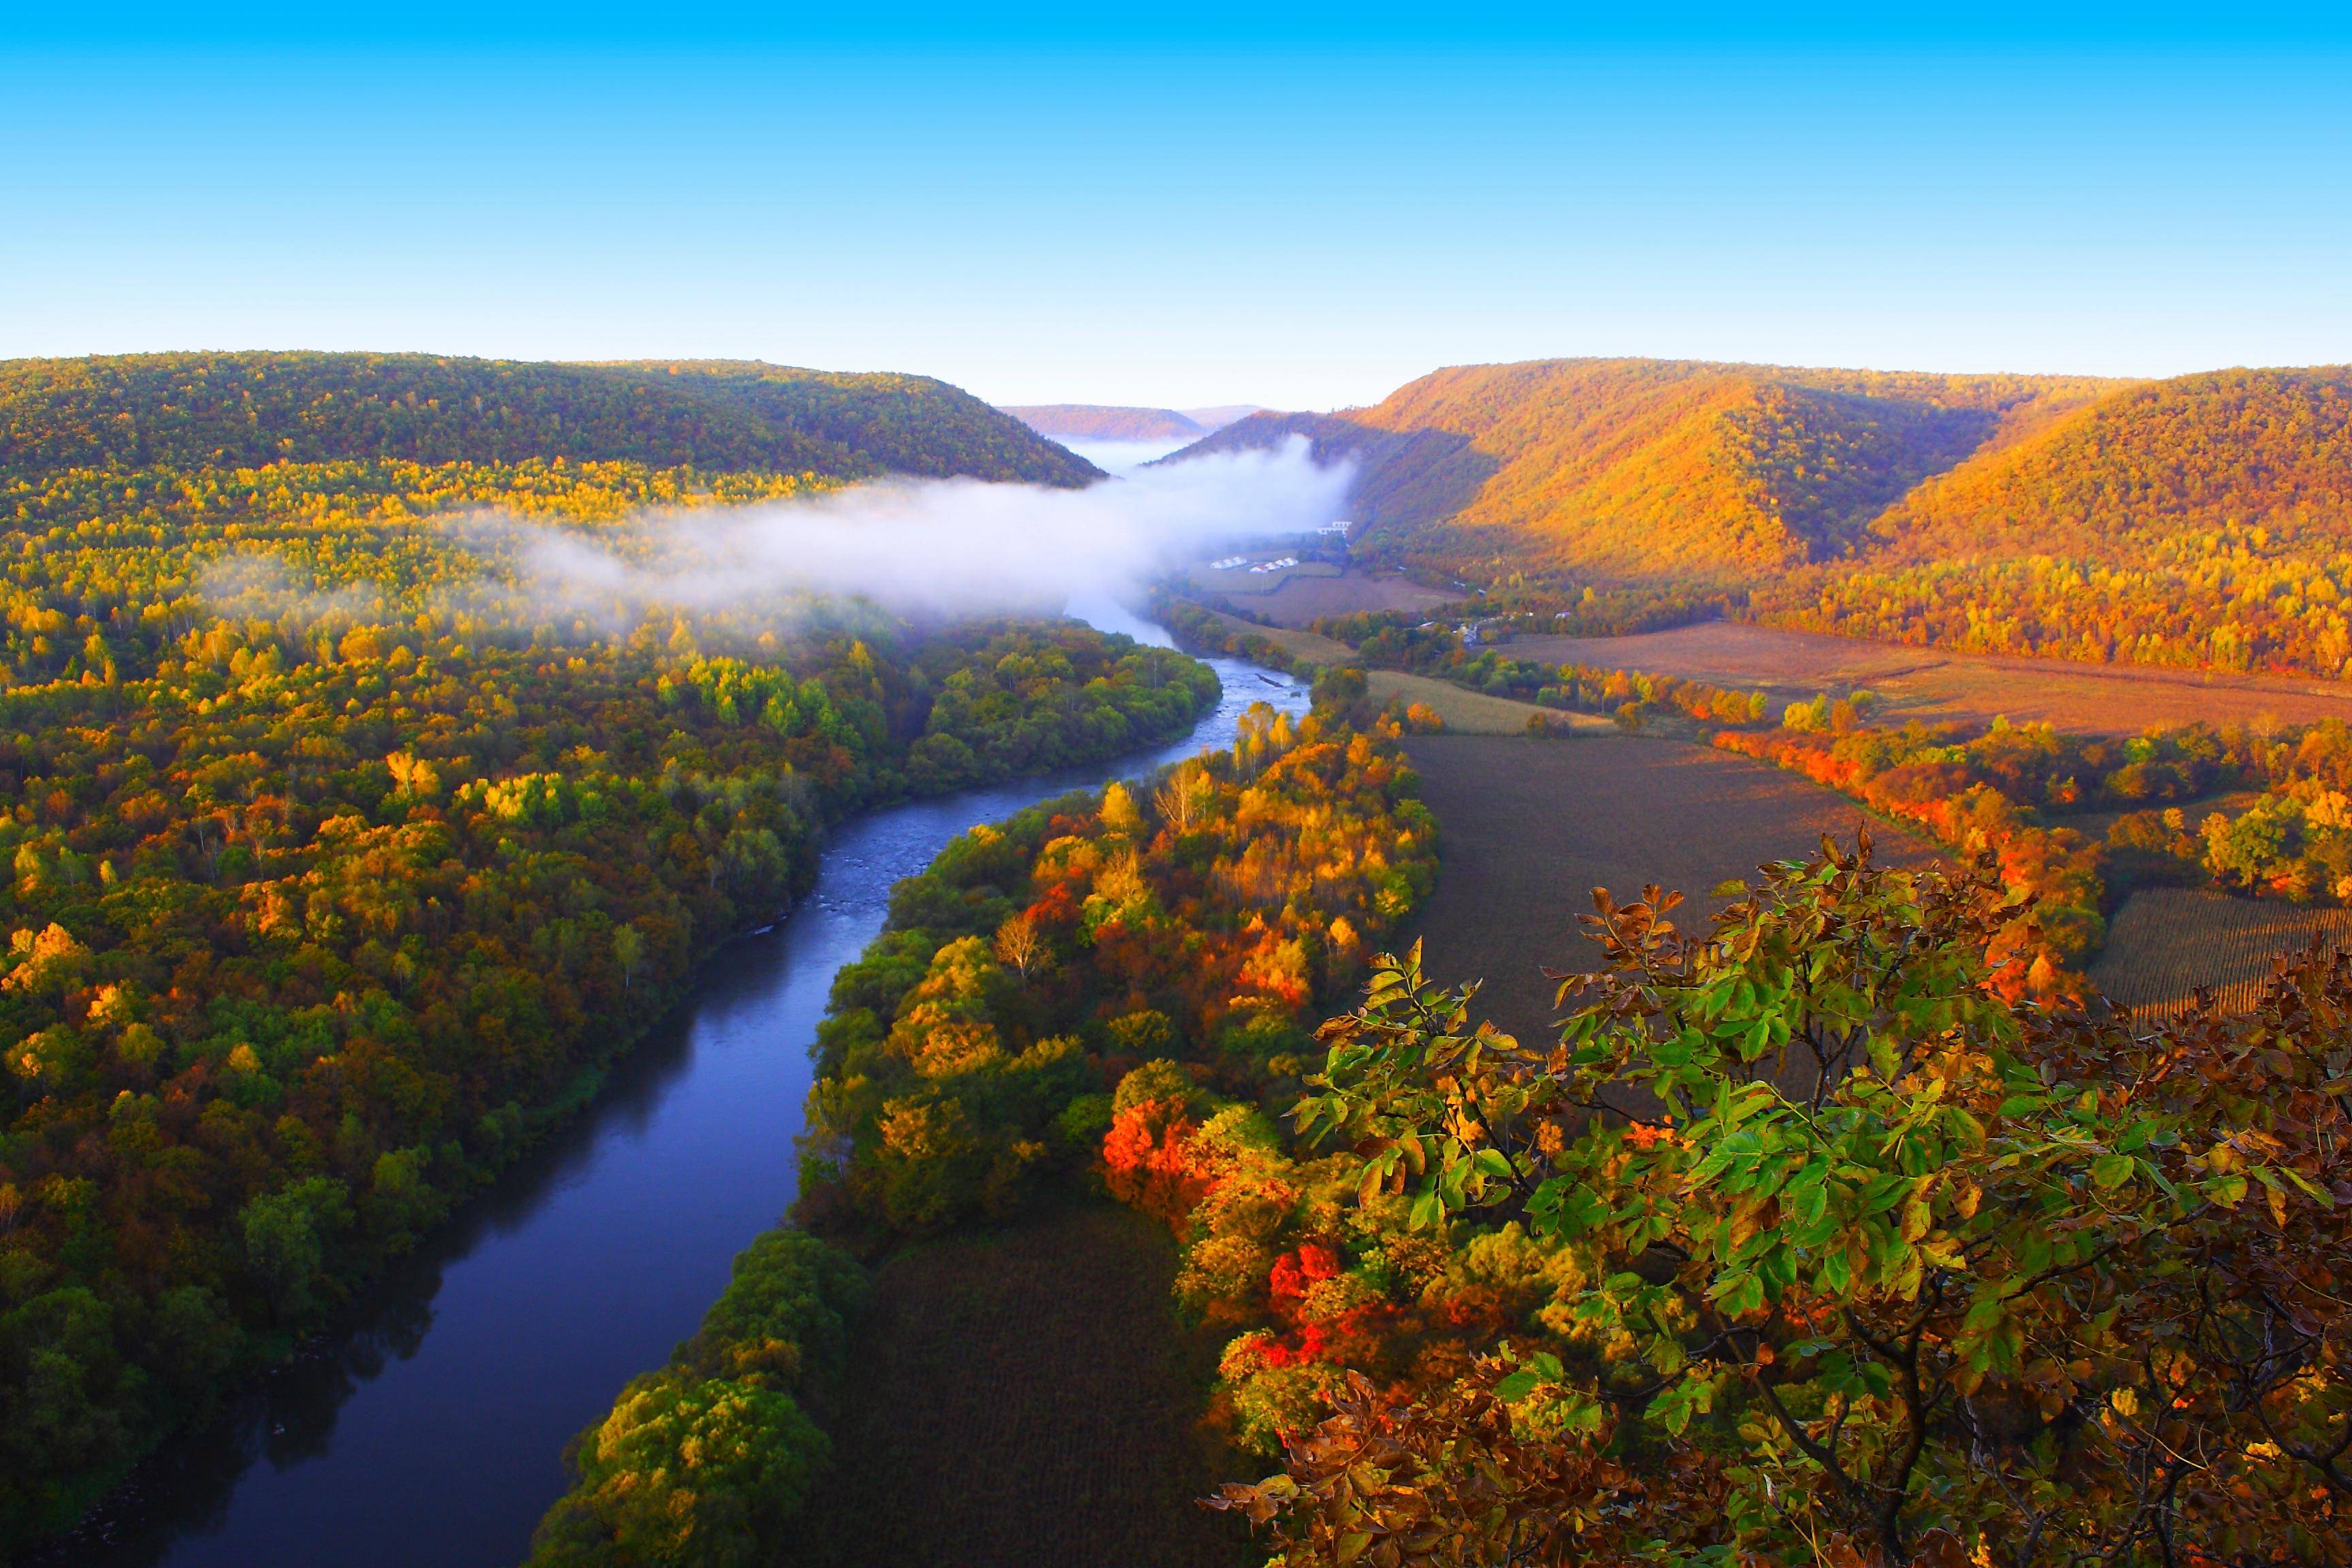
(242, 410)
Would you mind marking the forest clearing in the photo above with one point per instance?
(1299, 597)
(1466, 712)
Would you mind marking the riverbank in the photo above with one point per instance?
(430, 1425)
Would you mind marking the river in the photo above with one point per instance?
(429, 1428)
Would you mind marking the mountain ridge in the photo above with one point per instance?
(1652, 470)
(248, 408)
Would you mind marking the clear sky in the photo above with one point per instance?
(1297, 205)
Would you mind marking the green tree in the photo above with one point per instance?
(1876, 1266)
(288, 1237)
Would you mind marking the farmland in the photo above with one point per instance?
(1298, 596)
(1932, 684)
(2166, 940)
(1466, 712)
(1018, 1397)
(1532, 826)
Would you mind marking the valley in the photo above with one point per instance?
(407, 953)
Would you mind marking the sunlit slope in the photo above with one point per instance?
(2200, 522)
(243, 410)
(1652, 470)
(2262, 449)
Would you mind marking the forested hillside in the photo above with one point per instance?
(2200, 522)
(245, 410)
(343, 854)
(2203, 521)
(1652, 470)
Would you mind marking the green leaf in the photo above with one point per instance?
(2227, 1191)
(2111, 1171)
(1517, 1386)
(1428, 1210)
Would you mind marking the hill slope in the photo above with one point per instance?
(2200, 522)
(2268, 448)
(1652, 470)
(230, 410)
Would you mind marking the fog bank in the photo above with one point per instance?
(941, 547)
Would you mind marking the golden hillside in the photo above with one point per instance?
(2204, 521)
(2267, 448)
(1656, 470)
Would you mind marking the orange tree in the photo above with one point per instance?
(1877, 1267)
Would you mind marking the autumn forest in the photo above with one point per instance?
(1887, 1195)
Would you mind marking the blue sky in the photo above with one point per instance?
(1297, 207)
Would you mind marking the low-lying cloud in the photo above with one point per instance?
(941, 547)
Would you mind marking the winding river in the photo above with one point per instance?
(429, 1429)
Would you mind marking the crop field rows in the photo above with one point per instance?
(2165, 942)
(1530, 827)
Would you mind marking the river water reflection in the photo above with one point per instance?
(430, 1430)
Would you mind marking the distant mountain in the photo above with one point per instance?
(1224, 413)
(245, 409)
(1654, 469)
(1096, 422)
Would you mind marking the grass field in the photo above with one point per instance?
(1530, 827)
(1298, 644)
(2165, 942)
(1023, 1396)
(1467, 712)
(1929, 683)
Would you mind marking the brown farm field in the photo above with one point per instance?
(2165, 942)
(1023, 1396)
(1299, 597)
(1932, 684)
(1530, 828)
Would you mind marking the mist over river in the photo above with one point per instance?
(429, 1428)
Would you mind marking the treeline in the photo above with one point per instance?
(249, 410)
(1389, 640)
(716, 1452)
(2224, 600)
(1047, 975)
(1517, 609)
(314, 932)
(2008, 790)
(1983, 796)
(1860, 1263)
(1203, 629)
